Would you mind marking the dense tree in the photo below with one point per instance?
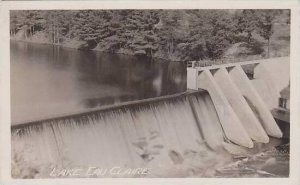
(265, 25)
(174, 34)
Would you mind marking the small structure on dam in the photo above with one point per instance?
(185, 134)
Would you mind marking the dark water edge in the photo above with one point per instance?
(80, 47)
(273, 163)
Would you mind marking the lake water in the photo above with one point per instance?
(49, 81)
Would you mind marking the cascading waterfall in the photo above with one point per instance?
(179, 131)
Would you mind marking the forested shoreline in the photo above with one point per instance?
(175, 35)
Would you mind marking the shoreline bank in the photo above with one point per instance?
(79, 45)
(75, 45)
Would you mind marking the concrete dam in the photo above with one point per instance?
(227, 110)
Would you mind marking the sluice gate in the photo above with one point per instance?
(192, 128)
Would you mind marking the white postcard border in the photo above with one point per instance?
(5, 147)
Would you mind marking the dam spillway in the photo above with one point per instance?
(189, 129)
(130, 136)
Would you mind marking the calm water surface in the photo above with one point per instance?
(49, 81)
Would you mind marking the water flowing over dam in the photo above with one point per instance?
(183, 133)
(135, 135)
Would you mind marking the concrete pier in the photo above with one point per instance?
(255, 101)
(244, 105)
(240, 106)
(231, 124)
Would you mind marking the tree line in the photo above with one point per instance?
(171, 34)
